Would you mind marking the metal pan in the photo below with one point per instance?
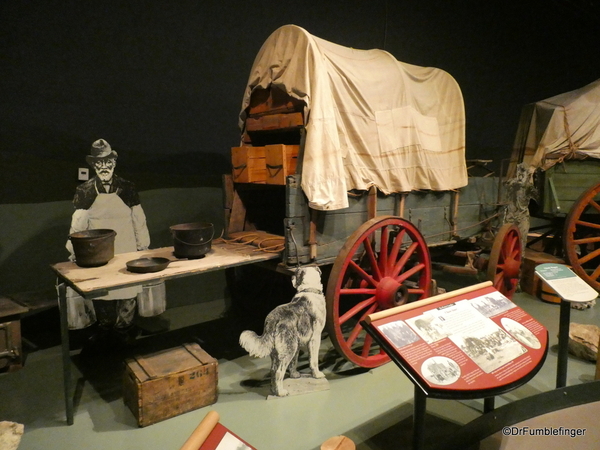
(147, 265)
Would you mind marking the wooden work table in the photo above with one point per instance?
(93, 282)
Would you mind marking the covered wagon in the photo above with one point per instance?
(557, 146)
(355, 161)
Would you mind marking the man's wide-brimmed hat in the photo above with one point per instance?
(100, 150)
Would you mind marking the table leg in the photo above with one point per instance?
(419, 410)
(563, 343)
(66, 355)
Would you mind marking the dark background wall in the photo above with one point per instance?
(163, 81)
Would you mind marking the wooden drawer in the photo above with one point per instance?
(249, 164)
(281, 161)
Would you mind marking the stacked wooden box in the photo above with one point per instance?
(167, 383)
(270, 164)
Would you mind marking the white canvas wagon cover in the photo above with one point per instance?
(559, 127)
(370, 119)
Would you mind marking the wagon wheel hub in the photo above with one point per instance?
(390, 293)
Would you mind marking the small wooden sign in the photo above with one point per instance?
(211, 435)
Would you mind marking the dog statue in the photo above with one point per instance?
(290, 326)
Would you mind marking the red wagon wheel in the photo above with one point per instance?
(504, 265)
(384, 263)
(581, 237)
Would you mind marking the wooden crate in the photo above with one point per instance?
(281, 161)
(249, 164)
(11, 351)
(167, 383)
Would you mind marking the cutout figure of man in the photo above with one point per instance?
(108, 201)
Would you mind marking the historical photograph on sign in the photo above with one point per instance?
(492, 304)
(482, 340)
(230, 442)
(520, 333)
(490, 348)
(426, 326)
(440, 370)
(399, 333)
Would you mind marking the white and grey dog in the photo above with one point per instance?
(289, 327)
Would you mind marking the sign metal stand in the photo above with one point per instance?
(472, 343)
(570, 288)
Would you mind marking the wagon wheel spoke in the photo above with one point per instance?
(404, 258)
(588, 224)
(417, 292)
(384, 263)
(362, 273)
(396, 249)
(589, 256)
(383, 251)
(586, 240)
(406, 275)
(581, 236)
(367, 347)
(357, 308)
(595, 274)
(358, 327)
(372, 258)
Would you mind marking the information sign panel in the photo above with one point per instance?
(567, 284)
(464, 345)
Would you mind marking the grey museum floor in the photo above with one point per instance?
(371, 407)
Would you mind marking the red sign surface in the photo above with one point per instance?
(475, 341)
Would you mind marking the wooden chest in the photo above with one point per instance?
(167, 383)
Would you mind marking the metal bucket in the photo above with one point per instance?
(93, 248)
(192, 240)
(152, 301)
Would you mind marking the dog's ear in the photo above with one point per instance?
(298, 276)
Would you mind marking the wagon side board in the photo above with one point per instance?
(560, 186)
(443, 217)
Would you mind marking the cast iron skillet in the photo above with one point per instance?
(147, 265)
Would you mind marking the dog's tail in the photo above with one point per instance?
(258, 346)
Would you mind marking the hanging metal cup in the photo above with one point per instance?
(152, 301)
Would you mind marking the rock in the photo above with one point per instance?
(10, 435)
(583, 305)
(583, 341)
